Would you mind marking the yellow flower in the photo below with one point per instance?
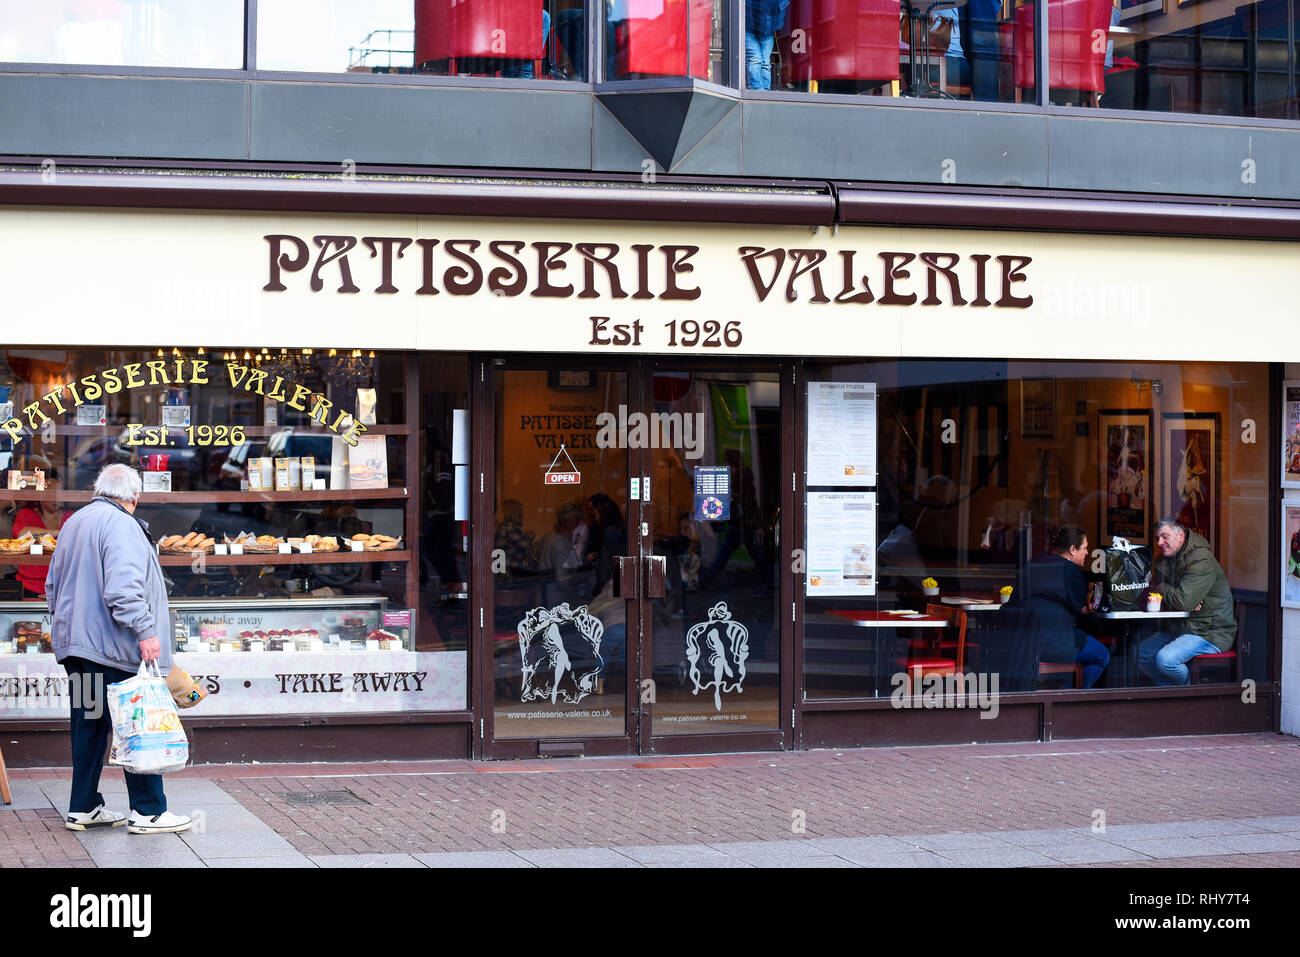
(1007, 590)
(1156, 595)
(929, 583)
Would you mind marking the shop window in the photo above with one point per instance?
(299, 499)
(962, 50)
(666, 38)
(510, 39)
(136, 33)
(991, 478)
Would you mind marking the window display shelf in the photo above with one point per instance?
(184, 498)
(296, 558)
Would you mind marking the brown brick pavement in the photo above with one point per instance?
(755, 797)
(428, 807)
(39, 839)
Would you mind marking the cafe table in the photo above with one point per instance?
(1130, 625)
(900, 618)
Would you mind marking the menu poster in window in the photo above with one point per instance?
(1291, 433)
(1290, 554)
(842, 433)
(841, 544)
(368, 463)
(712, 493)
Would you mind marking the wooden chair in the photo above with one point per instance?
(4, 782)
(1229, 659)
(936, 663)
(1061, 668)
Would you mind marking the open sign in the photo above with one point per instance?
(563, 478)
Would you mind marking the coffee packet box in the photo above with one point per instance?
(282, 475)
(308, 471)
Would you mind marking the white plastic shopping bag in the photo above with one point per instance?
(147, 733)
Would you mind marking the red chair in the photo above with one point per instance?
(1222, 658)
(919, 664)
(664, 38)
(1076, 33)
(844, 41)
(504, 29)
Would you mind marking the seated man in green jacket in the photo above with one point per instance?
(1190, 580)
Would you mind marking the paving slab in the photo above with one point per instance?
(1123, 832)
(1172, 846)
(1257, 843)
(1062, 837)
(244, 844)
(578, 857)
(260, 862)
(1091, 852)
(1291, 823)
(680, 854)
(1005, 856)
(29, 796)
(364, 860)
(768, 850)
(473, 859)
(954, 841)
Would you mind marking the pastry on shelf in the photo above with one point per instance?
(16, 546)
(258, 544)
(187, 544)
(377, 543)
(322, 543)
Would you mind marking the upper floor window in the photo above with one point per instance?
(135, 33)
(511, 39)
(1223, 57)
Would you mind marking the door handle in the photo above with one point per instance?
(625, 576)
(656, 576)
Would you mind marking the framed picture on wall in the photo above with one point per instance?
(1290, 553)
(1291, 433)
(1126, 475)
(1189, 472)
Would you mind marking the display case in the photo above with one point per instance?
(282, 489)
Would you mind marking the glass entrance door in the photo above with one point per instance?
(712, 637)
(634, 582)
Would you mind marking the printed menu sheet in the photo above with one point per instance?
(842, 433)
(841, 544)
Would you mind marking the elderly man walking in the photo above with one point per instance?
(108, 601)
(1190, 580)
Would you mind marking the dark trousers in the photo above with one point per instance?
(92, 729)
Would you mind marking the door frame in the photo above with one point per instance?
(638, 737)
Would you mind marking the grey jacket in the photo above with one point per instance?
(106, 590)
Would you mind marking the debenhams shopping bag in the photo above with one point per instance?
(147, 734)
(1128, 575)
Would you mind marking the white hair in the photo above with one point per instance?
(120, 482)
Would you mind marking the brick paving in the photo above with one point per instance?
(528, 805)
(444, 807)
(37, 838)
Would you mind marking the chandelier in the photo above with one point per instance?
(349, 369)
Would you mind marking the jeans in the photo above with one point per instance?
(758, 60)
(1163, 658)
(1094, 657)
(91, 729)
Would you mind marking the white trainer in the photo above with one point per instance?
(89, 820)
(164, 823)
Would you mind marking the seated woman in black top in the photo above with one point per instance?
(1057, 596)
